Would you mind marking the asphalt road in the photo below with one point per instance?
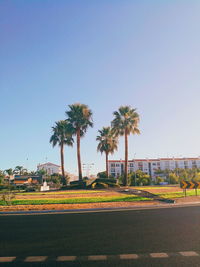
(172, 231)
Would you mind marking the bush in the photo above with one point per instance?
(21, 187)
(173, 179)
(99, 185)
(109, 182)
(7, 198)
(30, 189)
(159, 180)
(7, 186)
(106, 180)
(102, 175)
(77, 185)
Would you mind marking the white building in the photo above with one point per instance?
(50, 168)
(149, 166)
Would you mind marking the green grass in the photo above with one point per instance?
(179, 194)
(129, 198)
(154, 187)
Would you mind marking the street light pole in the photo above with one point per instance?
(134, 169)
(87, 167)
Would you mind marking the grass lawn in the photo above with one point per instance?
(79, 200)
(180, 194)
(154, 187)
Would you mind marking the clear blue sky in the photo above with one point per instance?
(104, 54)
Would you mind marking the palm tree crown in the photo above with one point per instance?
(61, 134)
(107, 141)
(126, 120)
(79, 117)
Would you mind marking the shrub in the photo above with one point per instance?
(106, 180)
(173, 179)
(99, 185)
(30, 189)
(7, 198)
(159, 180)
(75, 185)
(109, 182)
(101, 175)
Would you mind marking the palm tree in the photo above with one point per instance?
(19, 170)
(125, 122)
(79, 118)
(107, 143)
(62, 135)
(9, 172)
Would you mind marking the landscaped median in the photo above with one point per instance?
(76, 200)
(92, 199)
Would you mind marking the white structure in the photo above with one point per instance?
(44, 187)
(50, 168)
(149, 166)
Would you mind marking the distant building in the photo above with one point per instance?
(150, 166)
(72, 177)
(50, 168)
(27, 179)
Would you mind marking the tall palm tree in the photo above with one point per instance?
(62, 135)
(124, 123)
(80, 118)
(107, 143)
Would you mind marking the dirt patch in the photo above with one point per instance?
(76, 206)
(161, 190)
(188, 199)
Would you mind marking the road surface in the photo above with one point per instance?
(153, 237)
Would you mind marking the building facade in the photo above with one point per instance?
(50, 168)
(150, 166)
(27, 179)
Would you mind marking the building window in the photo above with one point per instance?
(112, 164)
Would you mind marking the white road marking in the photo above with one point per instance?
(35, 258)
(128, 256)
(189, 253)
(159, 255)
(103, 257)
(7, 259)
(97, 257)
(66, 258)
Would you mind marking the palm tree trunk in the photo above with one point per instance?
(62, 164)
(107, 164)
(79, 155)
(126, 160)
